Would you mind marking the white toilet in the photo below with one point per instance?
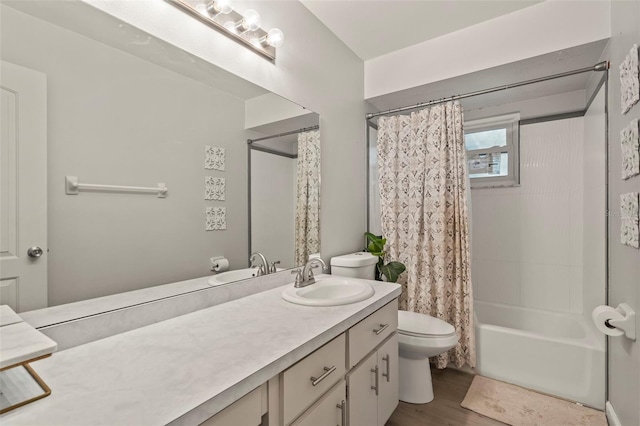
(355, 265)
(419, 336)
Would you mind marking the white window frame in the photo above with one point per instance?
(511, 123)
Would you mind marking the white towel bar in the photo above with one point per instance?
(72, 186)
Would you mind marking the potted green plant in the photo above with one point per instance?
(391, 270)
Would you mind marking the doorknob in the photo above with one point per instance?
(35, 252)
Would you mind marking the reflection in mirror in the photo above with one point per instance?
(284, 178)
(111, 104)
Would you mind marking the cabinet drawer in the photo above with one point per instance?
(371, 331)
(310, 378)
(329, 411)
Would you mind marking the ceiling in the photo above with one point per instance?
(373, 28)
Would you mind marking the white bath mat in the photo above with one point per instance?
(517, 406)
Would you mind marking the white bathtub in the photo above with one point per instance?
(554, 353)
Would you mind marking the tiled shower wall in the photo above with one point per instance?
(527, 241)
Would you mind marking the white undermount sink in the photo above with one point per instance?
(330, 292)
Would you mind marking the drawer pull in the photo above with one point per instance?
(377, 386)
(327, 371)
(382, 328)
(388, 362)
(343, 413)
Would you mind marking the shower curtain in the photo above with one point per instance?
(423, 202)
(308, 197)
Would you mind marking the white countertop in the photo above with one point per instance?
(184, 370)
(20, 342)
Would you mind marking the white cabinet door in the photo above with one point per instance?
(23, 188)
(388, 366)
(363, 399)
(328, 411)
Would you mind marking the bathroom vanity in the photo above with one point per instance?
(248, 361)
(354, 377)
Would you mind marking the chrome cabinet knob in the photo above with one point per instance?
(35, 252)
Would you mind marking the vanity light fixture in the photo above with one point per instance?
(243, 28)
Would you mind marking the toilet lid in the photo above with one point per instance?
(415, 324)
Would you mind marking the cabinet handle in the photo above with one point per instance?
(388, 362)
(375, 388)
(327, 371)
(343, 413)
(382, 328)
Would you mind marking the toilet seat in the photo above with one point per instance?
(420, 325)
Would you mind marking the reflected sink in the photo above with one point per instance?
(236, 275)
(330, 292)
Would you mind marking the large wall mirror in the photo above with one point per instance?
(88, 96)
(284, 188)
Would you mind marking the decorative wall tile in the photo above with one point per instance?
(216, 218)
(629, 226)
(214, 158)
(630, 145)
(629, 80)
(214, 188)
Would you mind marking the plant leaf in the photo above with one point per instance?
(376, 243)
(392, 271)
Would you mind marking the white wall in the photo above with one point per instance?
(532, 108)
(527, 240)
(115, 127)
(270, 108)
(313, 68)
(624, 261)
(273, 188)
(543, 28)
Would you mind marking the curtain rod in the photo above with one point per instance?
(293, 132)
(601, 66)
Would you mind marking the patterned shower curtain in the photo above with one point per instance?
(423, 202)
(308, 196)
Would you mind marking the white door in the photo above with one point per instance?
(23, 188)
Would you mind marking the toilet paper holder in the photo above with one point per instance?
(214, 262)
(626, 324)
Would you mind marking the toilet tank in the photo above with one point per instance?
(355, 265)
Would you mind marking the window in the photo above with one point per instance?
(492, 151)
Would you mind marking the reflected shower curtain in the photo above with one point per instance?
(308, 196)
(423, 202)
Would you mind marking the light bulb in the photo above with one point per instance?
(250, 20)
(275, 37)
(223, 6)
(219, 6)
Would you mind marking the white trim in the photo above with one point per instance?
(612, 417)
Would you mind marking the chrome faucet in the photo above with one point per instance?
(273, 269)
(305, 277)
(263, 269)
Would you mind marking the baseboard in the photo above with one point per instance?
(612, 417)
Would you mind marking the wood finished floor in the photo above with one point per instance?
(449, 387)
